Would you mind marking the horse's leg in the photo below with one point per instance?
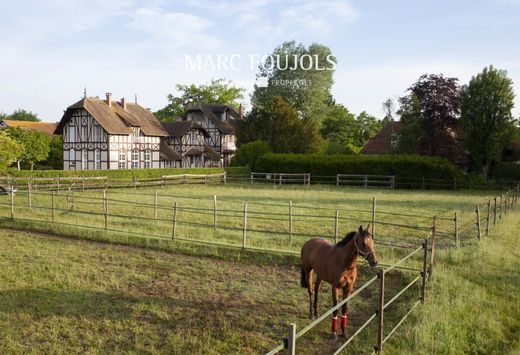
(311, 291)
(347, 290)
(335, 313)
(316, 293)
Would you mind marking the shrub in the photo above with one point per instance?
(507, 172)
(248, 153)
(402, 166)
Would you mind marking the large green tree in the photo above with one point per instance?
(218, 91)
(21, 115)
(302, 76)
(280, 124)
(487, 122)
(409, 137)
(10, 150)
(339, 126)
(367, 127)
(36, 144)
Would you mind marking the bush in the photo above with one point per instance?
(507, 172)
(115, 174)
(402, 166)
(248, 153)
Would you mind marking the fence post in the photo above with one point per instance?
(214, 211)
(106, 183)
(488, 216)
(105, 207)
(423, 185)
(337, 179)
(58, 184)
(225, 177)
(374, 217)
(501, 203)
(336, 226)
(29, 194)
(392, 179)
(290, 221)
(456, 229)
(68, 198)
(11, 193)
(424, 270)
(134, 181)
(155, 211)
(53, 205)
(252, 178)
(495, 212)
(244, 228)
(174, 223)
(365, 180)
(82, 184)
(380, 312)
(478, 222)
(291, 340)
(432, 253)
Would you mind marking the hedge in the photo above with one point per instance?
(402, 166)
(115, 174)
(507, 172)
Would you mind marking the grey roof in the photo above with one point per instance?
(180, 128)
(210, 110)
(168, 152)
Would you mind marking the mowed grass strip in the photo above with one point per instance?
(59, 295)
(473, 304)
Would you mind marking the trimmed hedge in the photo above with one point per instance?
(507, 172)
(402, 166)
(115, 174)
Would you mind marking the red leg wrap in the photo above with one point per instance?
(343, 321)
(334, 323)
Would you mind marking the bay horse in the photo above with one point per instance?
(335, 264)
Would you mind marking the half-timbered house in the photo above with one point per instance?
(105, 134)
(220, 122)
(188, 138)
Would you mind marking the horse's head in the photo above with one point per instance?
(364, 242)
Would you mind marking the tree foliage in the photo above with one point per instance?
(36, 144)
(439, 99)
(307, 87)
(411, 133)
(279, 124)
(218, 91)
(367, 127)
(340, 125)
(21, 115)
(10, 150)
(487, 122)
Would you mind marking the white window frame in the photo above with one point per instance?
(84, 132)
(97, 133)
(84, 159)
(147, 159)
(135, 134)
(122, 160)
(72, 158)
(135, 158)
(97, 159)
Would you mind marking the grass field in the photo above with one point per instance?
(63, 295)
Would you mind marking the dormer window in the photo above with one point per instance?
(135, 134)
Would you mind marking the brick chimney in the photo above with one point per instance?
(108, 99)
(123, 103)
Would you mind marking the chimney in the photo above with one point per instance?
(189, 104)
(123, 103)
(240, 111)
(109, 99)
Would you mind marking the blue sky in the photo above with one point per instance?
(50, 50)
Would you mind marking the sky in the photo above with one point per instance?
(51, 50)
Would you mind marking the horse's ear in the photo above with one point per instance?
(361, 229)
(368, 227)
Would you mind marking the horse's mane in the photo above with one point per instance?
(346, 240)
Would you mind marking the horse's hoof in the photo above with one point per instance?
(334, 336)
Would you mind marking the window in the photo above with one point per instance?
(84, 159)
(122, 159)
(135, 134)
(97, 159)
(97, 133)
(72, 159)
(148, 159)
(135, 159)
(84, 132)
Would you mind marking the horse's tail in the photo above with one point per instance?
(303, 280)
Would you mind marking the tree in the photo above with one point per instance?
(10, 150)
(367, 127)
(487, 122)
(388, 108)
(21, 115)
(218, 91)
(439, 99)
(36, 144)
(54, 160)
(339, 126)
(302, 76)
(279, 124)
(411, 133)
(248, 154)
